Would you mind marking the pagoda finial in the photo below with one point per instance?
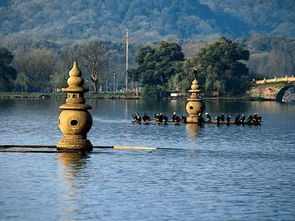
(75, 71)
(195, 85)
(75, 79)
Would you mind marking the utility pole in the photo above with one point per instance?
(127, 53)
(115, 88)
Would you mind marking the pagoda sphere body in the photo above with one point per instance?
(75, 121)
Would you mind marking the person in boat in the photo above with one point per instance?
(161, 117)
(175, 118)
(146, 117)
(165, 119)
(158, 118)
(201, 118)
(256, 118)
(222, 118)
(228, 119)
(183, 119)
(208, 117)
(237, 119)
(218, 119)
(136, 117)
(250, 118)
(243, 118)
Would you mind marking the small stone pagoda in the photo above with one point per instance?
(75, 121)
(195, 105)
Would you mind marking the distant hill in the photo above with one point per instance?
(147, 20)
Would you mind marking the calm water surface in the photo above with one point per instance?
(209, 173)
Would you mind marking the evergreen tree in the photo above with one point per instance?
(157, 65)
(220, 67)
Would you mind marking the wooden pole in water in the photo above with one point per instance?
(127, 55)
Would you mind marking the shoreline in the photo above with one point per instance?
(120, 96)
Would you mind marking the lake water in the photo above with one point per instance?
(210, 172)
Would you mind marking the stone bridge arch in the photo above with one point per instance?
(281, 92)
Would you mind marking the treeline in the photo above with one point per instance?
(147, 20)
(42, 65)
(219, 64)
(271, 56)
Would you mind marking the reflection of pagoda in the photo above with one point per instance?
(75, 121)
(195, 105)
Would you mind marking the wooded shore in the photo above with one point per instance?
(38, 95)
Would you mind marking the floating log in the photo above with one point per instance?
(27, 146)
(134, 148)
(27, 151)
(70, 151)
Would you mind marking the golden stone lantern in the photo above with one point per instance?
(195, 105)
(75, 121)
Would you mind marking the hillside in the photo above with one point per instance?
(146, 20)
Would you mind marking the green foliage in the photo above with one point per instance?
(7, 73)
(38, 66)
(147, 20)
(157, 65)
(154, 92)
(179, 82)
(220, 67)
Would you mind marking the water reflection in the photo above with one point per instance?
(193, 130)
(72, 162)
(71, 167)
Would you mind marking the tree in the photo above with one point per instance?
(157, 65)
(95, 59)
(7, 73)
(220, 67)
(21, 81)
(36, 67)
(271, 55)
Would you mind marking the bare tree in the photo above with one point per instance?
(95, 59)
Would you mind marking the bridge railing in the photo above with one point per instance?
(275, 80)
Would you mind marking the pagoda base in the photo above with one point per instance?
(192, 119)
(67, 144)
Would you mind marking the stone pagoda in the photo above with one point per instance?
(75, 121)
(195, 105)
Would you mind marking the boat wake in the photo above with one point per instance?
(112, 121)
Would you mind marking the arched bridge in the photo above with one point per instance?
(272, 89)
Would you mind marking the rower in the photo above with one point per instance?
(208, 117)
(136, 117)
(200, 118)
(243, 118)
(218, 119)
(228, 119)
(175, 118)
(237, 119)
(165, 119)
(250, 118)
(222, 118)
(183, 119)
(146, 117)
